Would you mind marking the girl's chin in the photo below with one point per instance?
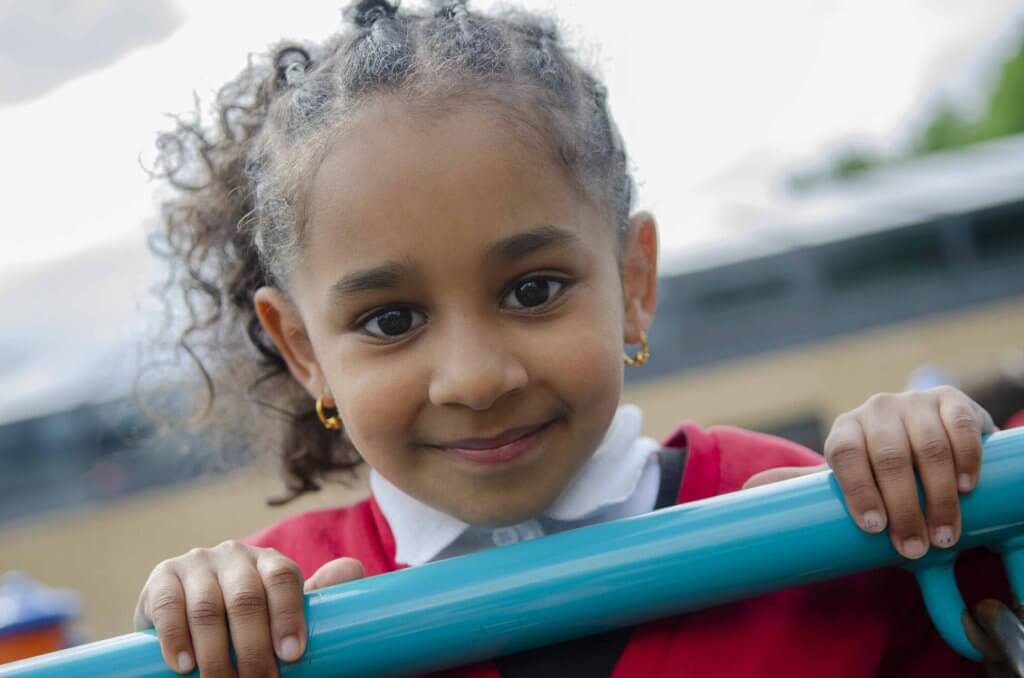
(500, 518)
(515, 507)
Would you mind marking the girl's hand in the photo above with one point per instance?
(249, 596)
(875, 449)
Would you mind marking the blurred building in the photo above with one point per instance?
(848, 291)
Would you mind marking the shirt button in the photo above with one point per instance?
(531, 529)
(504, 536)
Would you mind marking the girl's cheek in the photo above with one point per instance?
(584, 355)
(378, 397)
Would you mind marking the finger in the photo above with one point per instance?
(775, 475)
(335, 572)
(964, 422)
(204, 609)
(282, 580)
(245, 603)
(847, 454)
(162, 607)
(933, 457)
(892, 463)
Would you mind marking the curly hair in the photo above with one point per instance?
(234, 220)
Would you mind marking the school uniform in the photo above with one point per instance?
(863, 625)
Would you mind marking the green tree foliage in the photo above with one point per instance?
(1002, 115)
(946, 129)
(1005, 113)
(854, 161)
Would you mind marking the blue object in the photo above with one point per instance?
(604, 576)
(25, 604)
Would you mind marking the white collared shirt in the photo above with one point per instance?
(619, 480)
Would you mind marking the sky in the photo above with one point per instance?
(718, 101)
(713, 98)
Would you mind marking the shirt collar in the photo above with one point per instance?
(609, 477)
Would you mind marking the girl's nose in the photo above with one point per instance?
(474, 371)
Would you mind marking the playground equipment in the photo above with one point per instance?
(593, 579)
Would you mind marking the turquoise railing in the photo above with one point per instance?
(610, 575)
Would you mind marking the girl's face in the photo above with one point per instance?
(462, 305)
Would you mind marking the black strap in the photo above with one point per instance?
(592, 656)
(672, 461)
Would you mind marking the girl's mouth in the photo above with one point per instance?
(500, 449)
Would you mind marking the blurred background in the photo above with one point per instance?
(839, 186)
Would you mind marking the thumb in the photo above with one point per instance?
(335, 572)
(774, 475)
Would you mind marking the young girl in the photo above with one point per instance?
(425, 225)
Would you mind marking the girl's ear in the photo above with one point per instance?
(282, 323)
(640, 275)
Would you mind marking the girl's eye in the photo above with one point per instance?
(533, 292)
(393, 322)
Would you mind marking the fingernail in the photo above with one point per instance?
(965, 483)
(290, 648)
(914, 547)
(873, 521)
(944, 536)
(185, 662)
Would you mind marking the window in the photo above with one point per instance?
(889, 258)
(741, 295)
(999, 233)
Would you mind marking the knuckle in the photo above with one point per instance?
(282, 576)
(206, 612)
(904, 521)
(228, 546)
(943, 507)
(165, 603)
(286, 621)
(891, 461)
(842, 452)
(880, 401)
(173, 635)
(219, 667)
(933, 449)
(246, 603)
(962, 419)
(253, 662)
(858, 489)
(970, 456)
(165, 568)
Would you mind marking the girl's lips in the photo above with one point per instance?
(505, 447)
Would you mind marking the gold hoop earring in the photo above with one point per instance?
(642, 356)
(330, 423)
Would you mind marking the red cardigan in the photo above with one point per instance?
(870, 624)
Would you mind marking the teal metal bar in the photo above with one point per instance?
(615, 574)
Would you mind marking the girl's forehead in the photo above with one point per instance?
(398, 185)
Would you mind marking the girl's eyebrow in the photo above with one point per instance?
(383, 277)
(528, 242)
(389, 274)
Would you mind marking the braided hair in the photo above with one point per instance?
(234, 220)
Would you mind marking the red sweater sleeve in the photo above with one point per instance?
(720, 459)
(317, 537)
